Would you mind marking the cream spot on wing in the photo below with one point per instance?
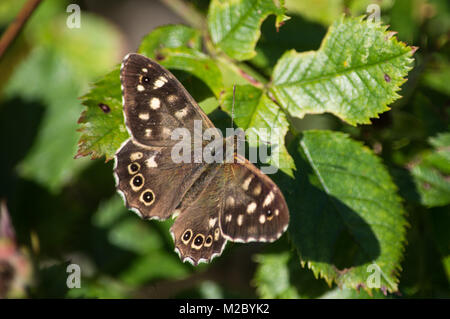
(140, 88)
(144, 116)
(262, 218)
(269, 198)
(228, 218)
(172, 98)
(251, 207)
(181, 113)
(216, 234)
(247, 182)
(150, 162)
(166, 132)
(155, 103)
(135, 156)
(277, 212)
(252, 230)
(229, 201)
(212, 222)
(159, 82)
(144, 70)
(148, 132)
(257, 189)
(240, 220)
(175, 213)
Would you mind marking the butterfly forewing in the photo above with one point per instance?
(155, 102)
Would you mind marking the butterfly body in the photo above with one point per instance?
(213, 202)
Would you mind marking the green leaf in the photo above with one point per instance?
(353, 77)
(432, 174)
(258, 115)
(339, 293)
(194, 62)
(234, 25)
(437, 74)
(102, 133)
(322, 11)
(345, 213)
(170, 36)
(179, 47)
(272, 276)
(158, 264)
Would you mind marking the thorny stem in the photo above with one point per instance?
(16, 25)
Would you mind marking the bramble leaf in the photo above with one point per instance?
(234, 25)
(346, 218)
(355, 74)
(101, 123)
(169, 36)
(258, 115)
(194, 62)
(178, 47)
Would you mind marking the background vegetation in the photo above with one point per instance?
(364, 166)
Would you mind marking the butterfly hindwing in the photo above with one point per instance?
(254, 207)
(196, 231)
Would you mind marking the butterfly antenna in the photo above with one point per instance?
(232, 106)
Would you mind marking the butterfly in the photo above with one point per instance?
(212, 203)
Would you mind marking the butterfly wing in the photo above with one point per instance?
(196, 231)
(254, 208)
(233, 201)
(154, 104)
(152, 185)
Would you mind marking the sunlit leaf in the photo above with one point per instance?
(261, 118)
(355, 78)
(234, 24)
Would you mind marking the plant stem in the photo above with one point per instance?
(16, 26)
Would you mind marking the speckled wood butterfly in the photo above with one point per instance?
(212, 202)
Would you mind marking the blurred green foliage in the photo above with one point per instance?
(66, 211)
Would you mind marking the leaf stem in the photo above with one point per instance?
(16, 25)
